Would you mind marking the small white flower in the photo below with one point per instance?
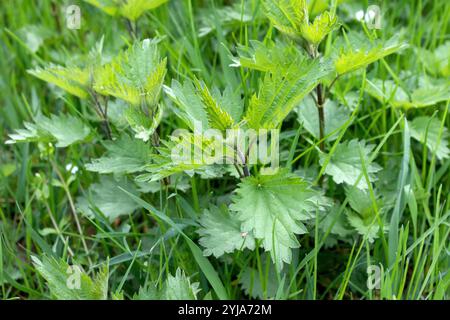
(359, 15)
(71, 168)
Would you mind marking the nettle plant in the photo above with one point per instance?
(268, 209)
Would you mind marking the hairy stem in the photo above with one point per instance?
(320, 109)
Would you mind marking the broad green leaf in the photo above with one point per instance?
(335, 117)
(110, 7)
(363, 216)
(63, 129)
(130, 9)
(345, 163)
(218, 117)
(178, 287)
(273, 56)
(287, 15)
(273, 207)
(323, 24)
(281, 92)
(197, 105)
(133, 9)
(71, 282)
(125, 155)
(230, 101)
(425, 95)
(221, 232)
(360, 53)
(107, 197)
(189, 105)
(142, 124)
(71, 79)
(136, 75)
(426, 130)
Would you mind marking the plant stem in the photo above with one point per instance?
(320, 109)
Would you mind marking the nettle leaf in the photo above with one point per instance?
(64, 129)
(273, 208)
(62, 280)
(130, 9)
(135, 76)
(281, 92)
(426, 130)
(218, 117)
(335, 117)
(178, 287)
(74, 80)
(287, 15)
(133, 9)
(221, 232)
(323, 24)
(271, 56)
(363, 216)
(359, 53)
(190, 107)
(184, 154)
(110, 7)
(144, 125)
(425, 95)
(345, 163)
(108, 198)
(197, 105)
(124, 155)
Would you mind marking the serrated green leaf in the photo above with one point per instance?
(273, 208)
(281, 92)
(136, 75)
(190, 107)
(287, 15)
(178, 287)
(58, 275)
(360, 53)
(130, 9)
(345, 163)
(124, 155)
(221, 233)
(218, 117)
(64, 129)
(323, 24)
(71, 79)
(425, 95)
(107, 197)
(271, 56)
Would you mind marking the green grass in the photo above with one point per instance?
(39, 197)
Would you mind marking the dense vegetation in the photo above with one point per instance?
(94, 206)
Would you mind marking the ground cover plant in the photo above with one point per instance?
(257, 149)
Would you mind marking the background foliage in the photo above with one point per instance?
(85, 178)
